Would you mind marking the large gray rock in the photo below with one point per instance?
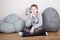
(51, 19)
(59, 23)
(7, 28)
(19, 25)
(11, 18)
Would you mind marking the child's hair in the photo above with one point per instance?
(34, 5)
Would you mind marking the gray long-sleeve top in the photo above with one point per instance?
(34, 21)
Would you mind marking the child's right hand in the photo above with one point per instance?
(31, 15)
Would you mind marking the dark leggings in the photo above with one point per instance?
(37, 32)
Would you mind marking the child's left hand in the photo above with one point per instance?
(32, 30)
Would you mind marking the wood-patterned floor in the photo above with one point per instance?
(14, 36)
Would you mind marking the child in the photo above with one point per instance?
(34, 23)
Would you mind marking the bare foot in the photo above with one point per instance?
(46, 33)
(20, 34)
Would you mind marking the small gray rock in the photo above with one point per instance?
(11, 18)
(19, 25)
(7, 28)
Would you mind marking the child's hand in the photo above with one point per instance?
(31, 15)
(32, 30)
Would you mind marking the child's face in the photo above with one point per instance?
(34, 10)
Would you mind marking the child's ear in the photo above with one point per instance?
(30, 12)
(37, 11)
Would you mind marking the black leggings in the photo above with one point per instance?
(37, 32)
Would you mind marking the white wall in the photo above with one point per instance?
(18, 6)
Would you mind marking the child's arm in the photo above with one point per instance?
(28, 20)
(40, 22)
